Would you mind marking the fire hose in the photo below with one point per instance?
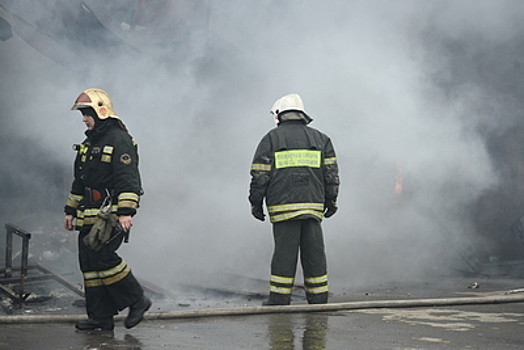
(260, 310)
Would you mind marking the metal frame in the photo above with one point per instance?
(25, 266)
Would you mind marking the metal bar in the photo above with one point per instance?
(24, 260)
(10, 230)
(9, 292)
(27, 279)
(8, 250)
(48, 273)
(59, 279)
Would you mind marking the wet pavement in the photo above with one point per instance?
(486, 326)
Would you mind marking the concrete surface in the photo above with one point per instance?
(487, 326)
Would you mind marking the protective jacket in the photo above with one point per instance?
(105, 173)
(295, 169)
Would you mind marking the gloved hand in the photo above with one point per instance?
(258, 212)
(330, 209)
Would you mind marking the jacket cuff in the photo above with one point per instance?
(126, 212)
(69, 210)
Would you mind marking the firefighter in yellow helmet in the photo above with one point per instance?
(295, 171)
(104, 198)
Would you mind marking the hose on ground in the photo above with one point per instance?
(259, 310)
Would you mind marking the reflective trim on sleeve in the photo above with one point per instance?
(261, 167)
(297, 158)
(128, 200)
(73, 200)
(129, 196)
(330, 161)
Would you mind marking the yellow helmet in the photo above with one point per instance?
(98, 100)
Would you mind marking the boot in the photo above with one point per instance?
(137, 311)
(277, 299)
(91, 324)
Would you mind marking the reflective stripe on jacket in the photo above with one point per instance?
(107, 161)
(295, 170)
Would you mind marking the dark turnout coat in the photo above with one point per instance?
(295, 169)
(106, 163)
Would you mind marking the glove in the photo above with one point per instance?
(258, 212)
(330, 209)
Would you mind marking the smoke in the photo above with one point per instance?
(416, 96)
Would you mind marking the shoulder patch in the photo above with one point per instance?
(125, 159)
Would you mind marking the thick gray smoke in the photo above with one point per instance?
(416, 96)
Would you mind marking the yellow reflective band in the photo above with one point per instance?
(89, 216)
(106, 277)
(128, 204)
(261, 167)
(95, 211)
(105, 158)
(318, 290)
(279, 290)
(108, 149)
(320, 279)
(134, 142)
(73, 200)
(280, 279)
(297, 158)
(129, 196)
(296, 206)
(76, 197)
(83, 149)
(329, 161)
(128, 200)
(107, 281)
(113, 271)
(294, 214)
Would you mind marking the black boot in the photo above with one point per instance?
(277, 299)
(91, 324)
(137, 311)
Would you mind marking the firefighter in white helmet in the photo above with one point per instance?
(104, 198)
(295, 171)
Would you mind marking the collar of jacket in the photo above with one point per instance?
(294, 116)
(101, 129)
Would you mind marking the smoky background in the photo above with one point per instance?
(422, 100)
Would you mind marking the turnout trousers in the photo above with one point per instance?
(108, 282)
(291, 237)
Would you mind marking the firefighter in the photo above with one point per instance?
(295, 170)
(106, 181)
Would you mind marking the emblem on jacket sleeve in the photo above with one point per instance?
(125, 159)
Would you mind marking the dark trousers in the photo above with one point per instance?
(291, 237)
(108, 282)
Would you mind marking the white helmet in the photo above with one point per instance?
(290, 102)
